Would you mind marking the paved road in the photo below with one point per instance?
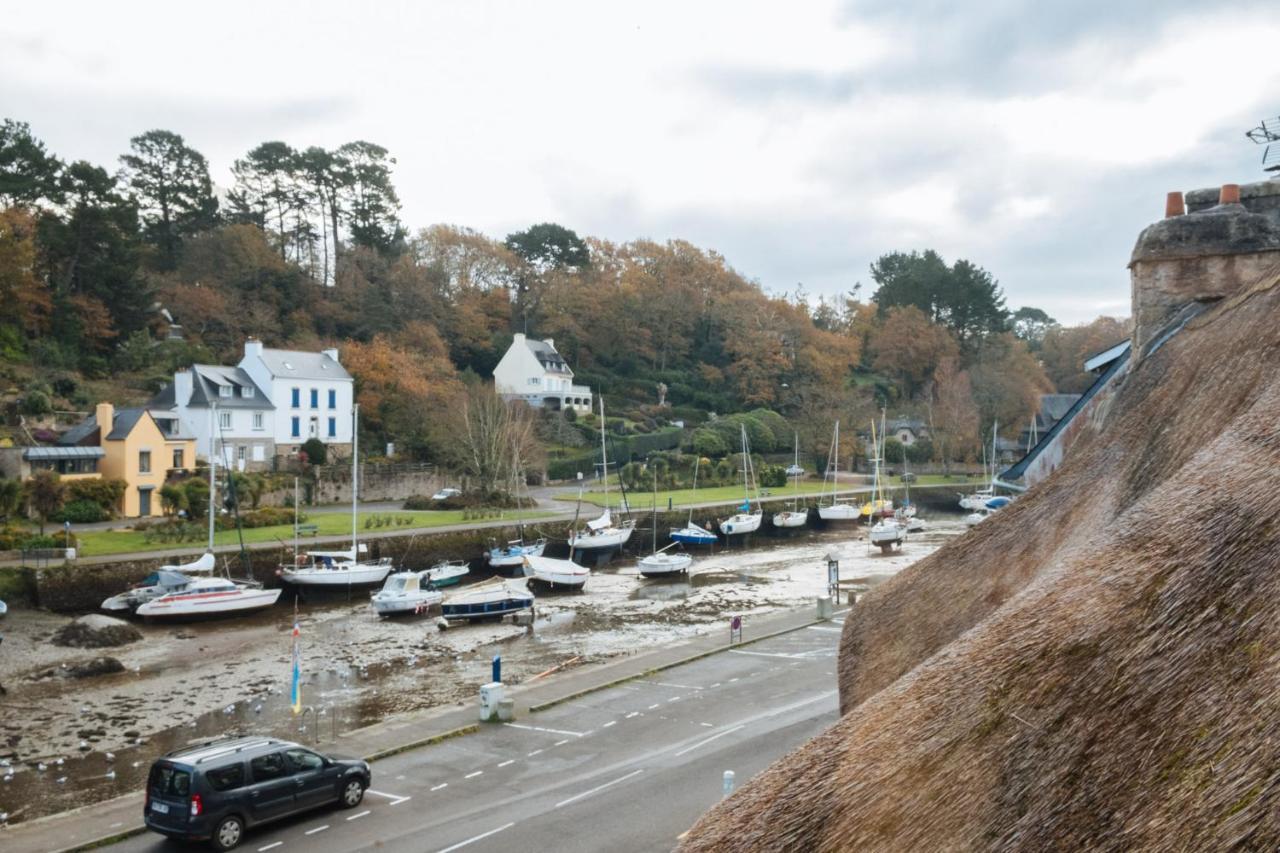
(628, 768)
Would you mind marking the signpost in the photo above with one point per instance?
(833, 575)
(735, 630)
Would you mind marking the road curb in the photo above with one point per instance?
(427, 741)
(578, 694)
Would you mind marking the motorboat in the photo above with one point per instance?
(496, 597)
(976, 499)
(693, 534)
(556, 574)
(978, 516)
(446, 572)
(512, 556)
(912, 522)
(998, 502)
(661, 564)
(744, 521)
(209, 597)
(336, 568)
(405, 592)
(794, 517)
(162, 581)
(888, 532)
(836, 510)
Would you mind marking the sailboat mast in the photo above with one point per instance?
(295, 519)
(355, 473)
(213, 419)
(604, 459)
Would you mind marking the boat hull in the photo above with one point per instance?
(694, 536)
(197, 605)
(361, 575)
(839, 512)
(790, 519)
(513, 558)
(595, 540)
(664, 565)
(405, 604)
(446, 575)
(556, 574)
(742, 524)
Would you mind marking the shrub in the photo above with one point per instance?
(81, 512)
(773, 476)
(269, 516)
(36, 403)
(65, 386)
(777, 426)
(105, 493)
(708, 442)
(317, 453)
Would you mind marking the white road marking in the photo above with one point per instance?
(317, 829)
(597, 789)
(270, 846)
(674, 699)
(610, 723)
(708, 740)
(677, 686)
(473, 775)
(824, 628)
(441, 785)
(708, 725)
(561, 742)
(535, 752)
(731, 680)
(763, 654)
(477, 838)
(359, 814)
(399, 801)
(633, 714)
(395, 799)
(541, 729)
(717, 684)
(508, 761)
(654, 705)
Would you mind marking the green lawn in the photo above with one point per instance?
(683, 497)
(100, 542)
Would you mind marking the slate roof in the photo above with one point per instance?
(547, 356)
(123, 422)
(205, 381)
(79, 432)
(295, 364)
(174, 429)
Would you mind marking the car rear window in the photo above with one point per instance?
(169, 781)
(269, 766)
(226, 778)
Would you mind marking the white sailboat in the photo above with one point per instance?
(693, 534)
(977, 499)
(512, 555)
(794, 517)
(744, 521)
(602, 532)
(888, 532)
(554, 573)
(660, 563)
(345, 567)
(836, 510)
(907, 514)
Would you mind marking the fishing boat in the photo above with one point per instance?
(209, 597)
(835, 510)
(405, 592)
(744, 521)
(496, 597)
(347, 567)
(794, 517)
(660, 563)
(447, 572)
(163, 581)
(602, 532)
(887, 533)
(693, 534)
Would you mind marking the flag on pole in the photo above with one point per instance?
(295, 694)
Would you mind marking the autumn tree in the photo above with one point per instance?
(953, 416)
(493, 442)
(963, 297)
(46, 494)
(28, 300)
(909, 348)
(1007, 383)
(170, 184)
(1065, 349)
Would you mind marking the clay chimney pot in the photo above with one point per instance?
(1174, 205)
(1230, 194)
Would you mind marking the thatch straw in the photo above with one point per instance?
(1096, 667)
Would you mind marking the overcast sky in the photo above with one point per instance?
(801, 140)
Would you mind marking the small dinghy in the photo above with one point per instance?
(446, 573)
(556, 574)
(405, 592)
(662, 564)
(496, 597)
(512, 556)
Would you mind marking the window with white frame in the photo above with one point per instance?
(240, 454)
(534, 380)
(246, 391)
(224, 390)
(257, 420)
(224, 420)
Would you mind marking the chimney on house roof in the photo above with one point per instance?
(551, 342)
(183, 381)
(105, 415)
(252, 346)
(518, 338)
(332, 352)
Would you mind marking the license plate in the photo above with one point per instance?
(159, 808)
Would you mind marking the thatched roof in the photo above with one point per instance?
(1096, 667)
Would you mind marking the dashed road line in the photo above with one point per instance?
(597, 789)
(632, 714)
(825, 628)
(707, 725)
(610, 723)
(677, 686)
(674, 699)
(396, 799)
(473, 775)
(317, 829)
(708, 740)
(561, 742)
(273, 845)
(548, 731)
(508, 761)
(535, 752)
(440, 786)
(359, 815)
(476, 838)
(654, 705)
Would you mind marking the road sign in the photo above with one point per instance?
(735, 629)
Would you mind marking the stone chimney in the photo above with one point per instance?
(105, 415)
(551, 342)
(182, 386)
(252, 347)
(332, 352)
(1202, 256)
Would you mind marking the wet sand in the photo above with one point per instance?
(96, 736)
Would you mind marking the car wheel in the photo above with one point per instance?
(352, 793)
(227, 834)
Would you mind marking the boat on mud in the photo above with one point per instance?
(512, 555)
(446, 572)
(556, 574)
(745, 520)
(162, 581)
(209, 597)
(603, 532)
(405, 592)
(492, 598)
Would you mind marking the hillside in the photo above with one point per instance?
(1094, 668)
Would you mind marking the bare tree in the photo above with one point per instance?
(493, 441)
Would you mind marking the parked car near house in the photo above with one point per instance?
(216, 791)
(445, 494)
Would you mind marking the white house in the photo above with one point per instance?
(312, 393)
(225, 402)
(532, 370)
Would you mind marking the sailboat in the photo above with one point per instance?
(602, 532)
(837, 510)
(888, 532)
(175, 596)
(553, 573)
(341, 568)
(906, 514)
(744, 521)
(660, 563)
(977, 500)
(693, 534)
(513, 553)
(794, 517)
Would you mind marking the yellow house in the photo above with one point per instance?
(137, 450)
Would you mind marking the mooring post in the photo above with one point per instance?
(728, 782)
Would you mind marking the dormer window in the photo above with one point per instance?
(224, 391)
(246, 392)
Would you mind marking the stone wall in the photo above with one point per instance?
(377, 483)
(1262, 198)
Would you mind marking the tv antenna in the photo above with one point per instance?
(1268, 134)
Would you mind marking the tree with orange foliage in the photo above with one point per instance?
(908, 348)
(1065, 349)
(953, 417)
(29, 301)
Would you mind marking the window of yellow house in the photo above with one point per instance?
(177, 458)
(144, 461)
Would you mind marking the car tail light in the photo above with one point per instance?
(196, 805)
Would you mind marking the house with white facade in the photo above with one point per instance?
(222, 404)
(532, 370)
(268, 405)
(312, 392)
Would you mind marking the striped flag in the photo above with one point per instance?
(295, 694)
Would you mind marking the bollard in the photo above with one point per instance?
(506, 710)
(728, 782)
(497, 669)
(826, 607)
